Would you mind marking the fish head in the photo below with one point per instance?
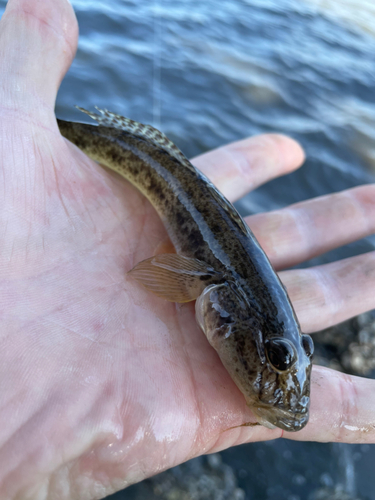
(270, 361)
(283, 392)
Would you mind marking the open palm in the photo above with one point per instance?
(102, 383)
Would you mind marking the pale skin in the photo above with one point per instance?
(102, 383)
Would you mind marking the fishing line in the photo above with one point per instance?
(156, 80)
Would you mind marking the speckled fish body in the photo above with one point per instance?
(241, 305)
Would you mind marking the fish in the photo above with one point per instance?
(241, 305)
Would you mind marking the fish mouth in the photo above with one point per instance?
(285, 420)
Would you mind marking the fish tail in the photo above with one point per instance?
(146, 132)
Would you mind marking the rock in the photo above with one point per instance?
(203, 478)
(349, 346)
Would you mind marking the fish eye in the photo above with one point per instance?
(308, 345)
(281, 354)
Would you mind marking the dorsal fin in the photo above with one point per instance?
(146, 132)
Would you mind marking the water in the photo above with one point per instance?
(209, 73)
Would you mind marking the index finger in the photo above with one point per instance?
(241, 166)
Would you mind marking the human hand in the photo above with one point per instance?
(102, 383)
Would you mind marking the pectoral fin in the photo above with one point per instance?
(174, 277)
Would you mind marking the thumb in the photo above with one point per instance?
(38, 41)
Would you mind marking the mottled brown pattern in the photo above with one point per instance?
(154, 136)
(249, 305)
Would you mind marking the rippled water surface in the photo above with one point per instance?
(210, 72)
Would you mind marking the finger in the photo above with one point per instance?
(38, 40)
(244, 165)
(326, 295)
(305, 230)
(342, 409)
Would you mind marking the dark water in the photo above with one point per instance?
(208, 73)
